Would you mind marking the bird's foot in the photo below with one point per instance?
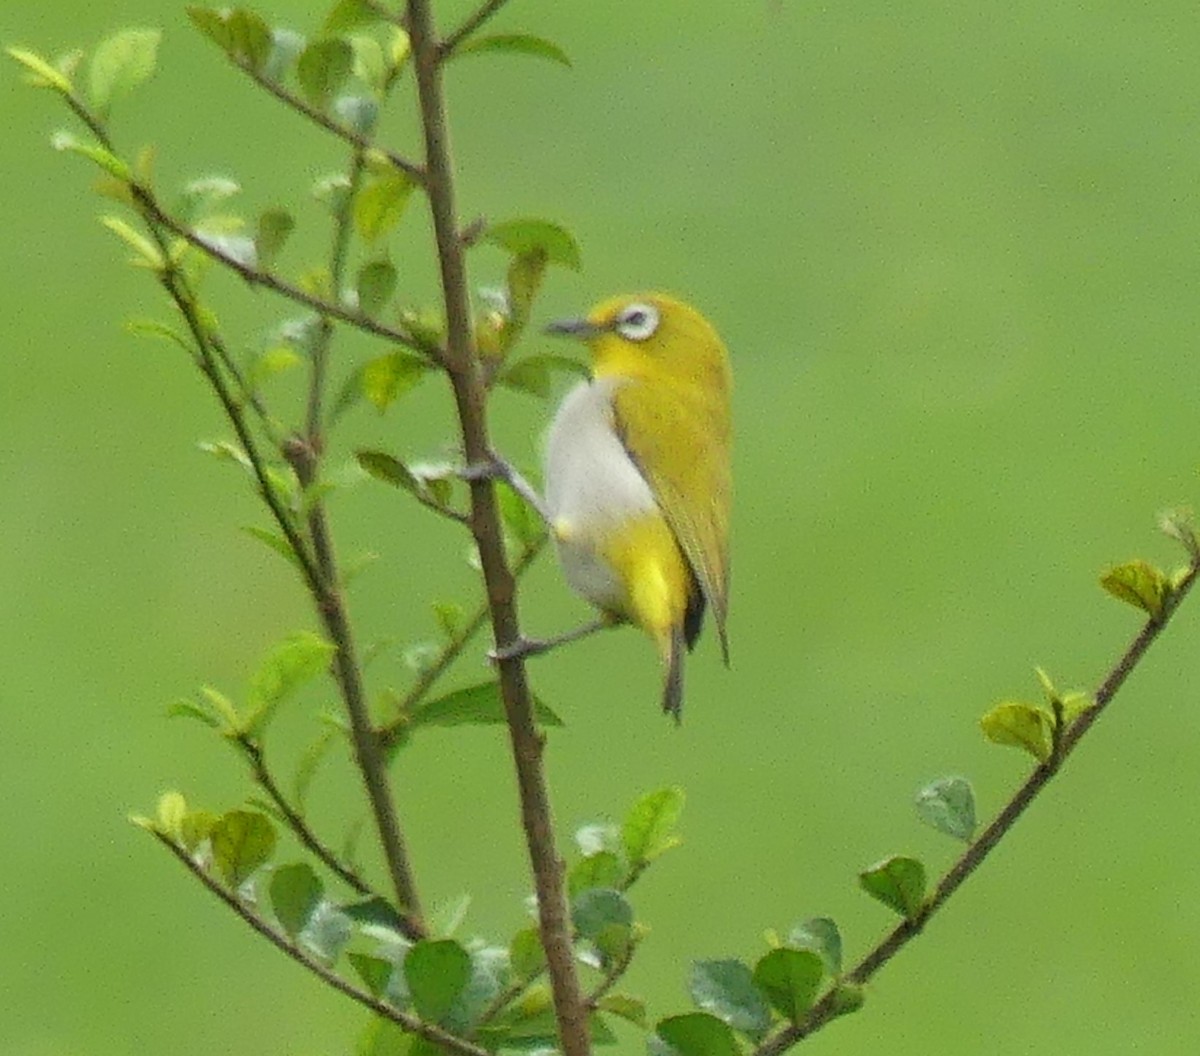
(521, 649)
(493, 467)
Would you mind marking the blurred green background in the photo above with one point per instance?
(954, 251)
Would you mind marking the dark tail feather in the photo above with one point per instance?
(673, 686)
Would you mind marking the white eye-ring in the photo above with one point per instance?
(637, 322)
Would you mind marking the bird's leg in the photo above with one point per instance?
(497, 468)
(527, 647)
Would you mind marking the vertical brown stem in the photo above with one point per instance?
(470, 401)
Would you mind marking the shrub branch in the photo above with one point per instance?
(443, 1038)
(979, 849)
(470, 397)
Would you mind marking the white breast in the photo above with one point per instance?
(591, 485)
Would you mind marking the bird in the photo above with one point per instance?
(638, 477)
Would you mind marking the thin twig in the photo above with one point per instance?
(301, 829)
(470, 397)
(318, 565)
(449, 1042)
(347, 672)
(612, 975)
(514, 991)
(470, 26)
(323, 120)
(320, 351)
(451, 651)
(974, 856)
(257, 277)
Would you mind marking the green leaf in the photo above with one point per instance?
(629, 1008)
(274, 540)
(790, 979)
(821, 936)
(388, 377)
(370, 65)
(39, 72)
(213, 24)
(1180, 525)
(250, 40)
(603, 869)
(120, 63)
(197, 826)
(162, 332)
(521, 519)
(388, 469)
(447, 917)
(298, 659)
(273, 230)
(189, 709)
(351, 14)
(306, 769)
(222, 706)
(479, 705)
(898, 883)
(534, 374)
(948, 804)
(375, 284)
(374, 911)
(147, 253)
(1020, 726)
(380, 201)
(525, 236)
(295, 893)
(597, 908)
(382, 1037)
(109, 162)
(525, 953)
(698, 1034)
(242, 842)
(375, 972)
(525, 274)
(436, 971)
(649, 830)
(169, 815)
(1140, 584)
(449, 616)
(726, 989)
(323, 67)
(225, 451)
(514, 44)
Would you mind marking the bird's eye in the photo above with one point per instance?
(637, 322)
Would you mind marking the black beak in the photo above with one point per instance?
(581, 329)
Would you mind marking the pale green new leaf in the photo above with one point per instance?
(242, 843)
(649, 829)
(514, 44)
(298, 659)
(39, 72)
(120, 63)
(1020, 726)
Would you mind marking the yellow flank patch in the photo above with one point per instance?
(647, 560)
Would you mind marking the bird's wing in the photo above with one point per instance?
(680, 442)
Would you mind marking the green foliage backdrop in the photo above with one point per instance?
(954, 254)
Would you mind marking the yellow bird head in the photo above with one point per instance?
(651, 336)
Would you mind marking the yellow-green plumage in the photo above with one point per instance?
(638, 480)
